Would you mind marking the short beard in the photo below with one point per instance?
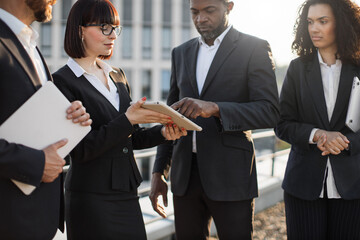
(42, 10)
(216, 32)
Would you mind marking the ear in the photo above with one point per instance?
(230, 6)
(81, 32)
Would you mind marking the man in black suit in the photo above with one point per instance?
(225, 81)
(22, 70)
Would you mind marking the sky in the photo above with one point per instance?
(272, 20)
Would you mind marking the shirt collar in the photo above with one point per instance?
(105, 67)
(14, 23)
(21, 30)
(322, 63)
(79, 71)
(218, 40)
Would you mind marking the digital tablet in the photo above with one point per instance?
(353, 114)
(179, 119)
(37, 128)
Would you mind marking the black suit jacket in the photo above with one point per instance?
(241, 81)
(22, 217)
(303, 108)
(103, 162)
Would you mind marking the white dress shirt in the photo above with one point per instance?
(27, 36)
(330, 80)
(205, 57)
(111, 95)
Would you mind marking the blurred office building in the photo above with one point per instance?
(151, 28)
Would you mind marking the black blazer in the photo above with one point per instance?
(23, 217)
(103, 162)
(303, 108)
(241, 81)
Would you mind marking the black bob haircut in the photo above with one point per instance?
(87, 12)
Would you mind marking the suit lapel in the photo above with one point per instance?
(14, 46)
(343, 95)
(124, 100)
(225, 48)
(121, 88)
(191, 52)
(48, 74)
(314, 81)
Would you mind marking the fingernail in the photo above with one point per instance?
(75, 120)
(144, 99)
(169, 118)
(69, 116)
(183, 129)
(174, 125)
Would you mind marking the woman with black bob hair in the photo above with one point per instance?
(322, 181)
(101, 199)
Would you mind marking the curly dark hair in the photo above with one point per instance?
(347, 31)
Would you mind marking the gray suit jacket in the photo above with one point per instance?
(241, 81)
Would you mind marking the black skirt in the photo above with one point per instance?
(103, 216)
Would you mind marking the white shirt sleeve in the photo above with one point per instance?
(312, 134)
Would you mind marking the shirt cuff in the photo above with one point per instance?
(312, 135)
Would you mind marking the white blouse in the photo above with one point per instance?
(330, 78)
(113, 95)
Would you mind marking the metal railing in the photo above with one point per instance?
(258, 135)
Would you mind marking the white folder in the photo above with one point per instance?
(353, 115)
(40, 122)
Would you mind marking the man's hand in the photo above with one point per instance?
(158, 187)
(330, 142)
(78, 114)
(192, 108)
(53, 162)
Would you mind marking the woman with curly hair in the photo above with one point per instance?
(322, 177)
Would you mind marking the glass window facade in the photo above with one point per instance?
(126, 41)
(166, 43)
(45, 37)
(165, 83)
(166, 11)
(166, 29)
(146, 84)
(186, 21)
(147, 30)
(127, 10)
(146, 42)
(127, 32)
(66, 6)
(147, 11)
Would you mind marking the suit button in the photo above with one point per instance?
(125, 150)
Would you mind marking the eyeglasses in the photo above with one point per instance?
(106, 28)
